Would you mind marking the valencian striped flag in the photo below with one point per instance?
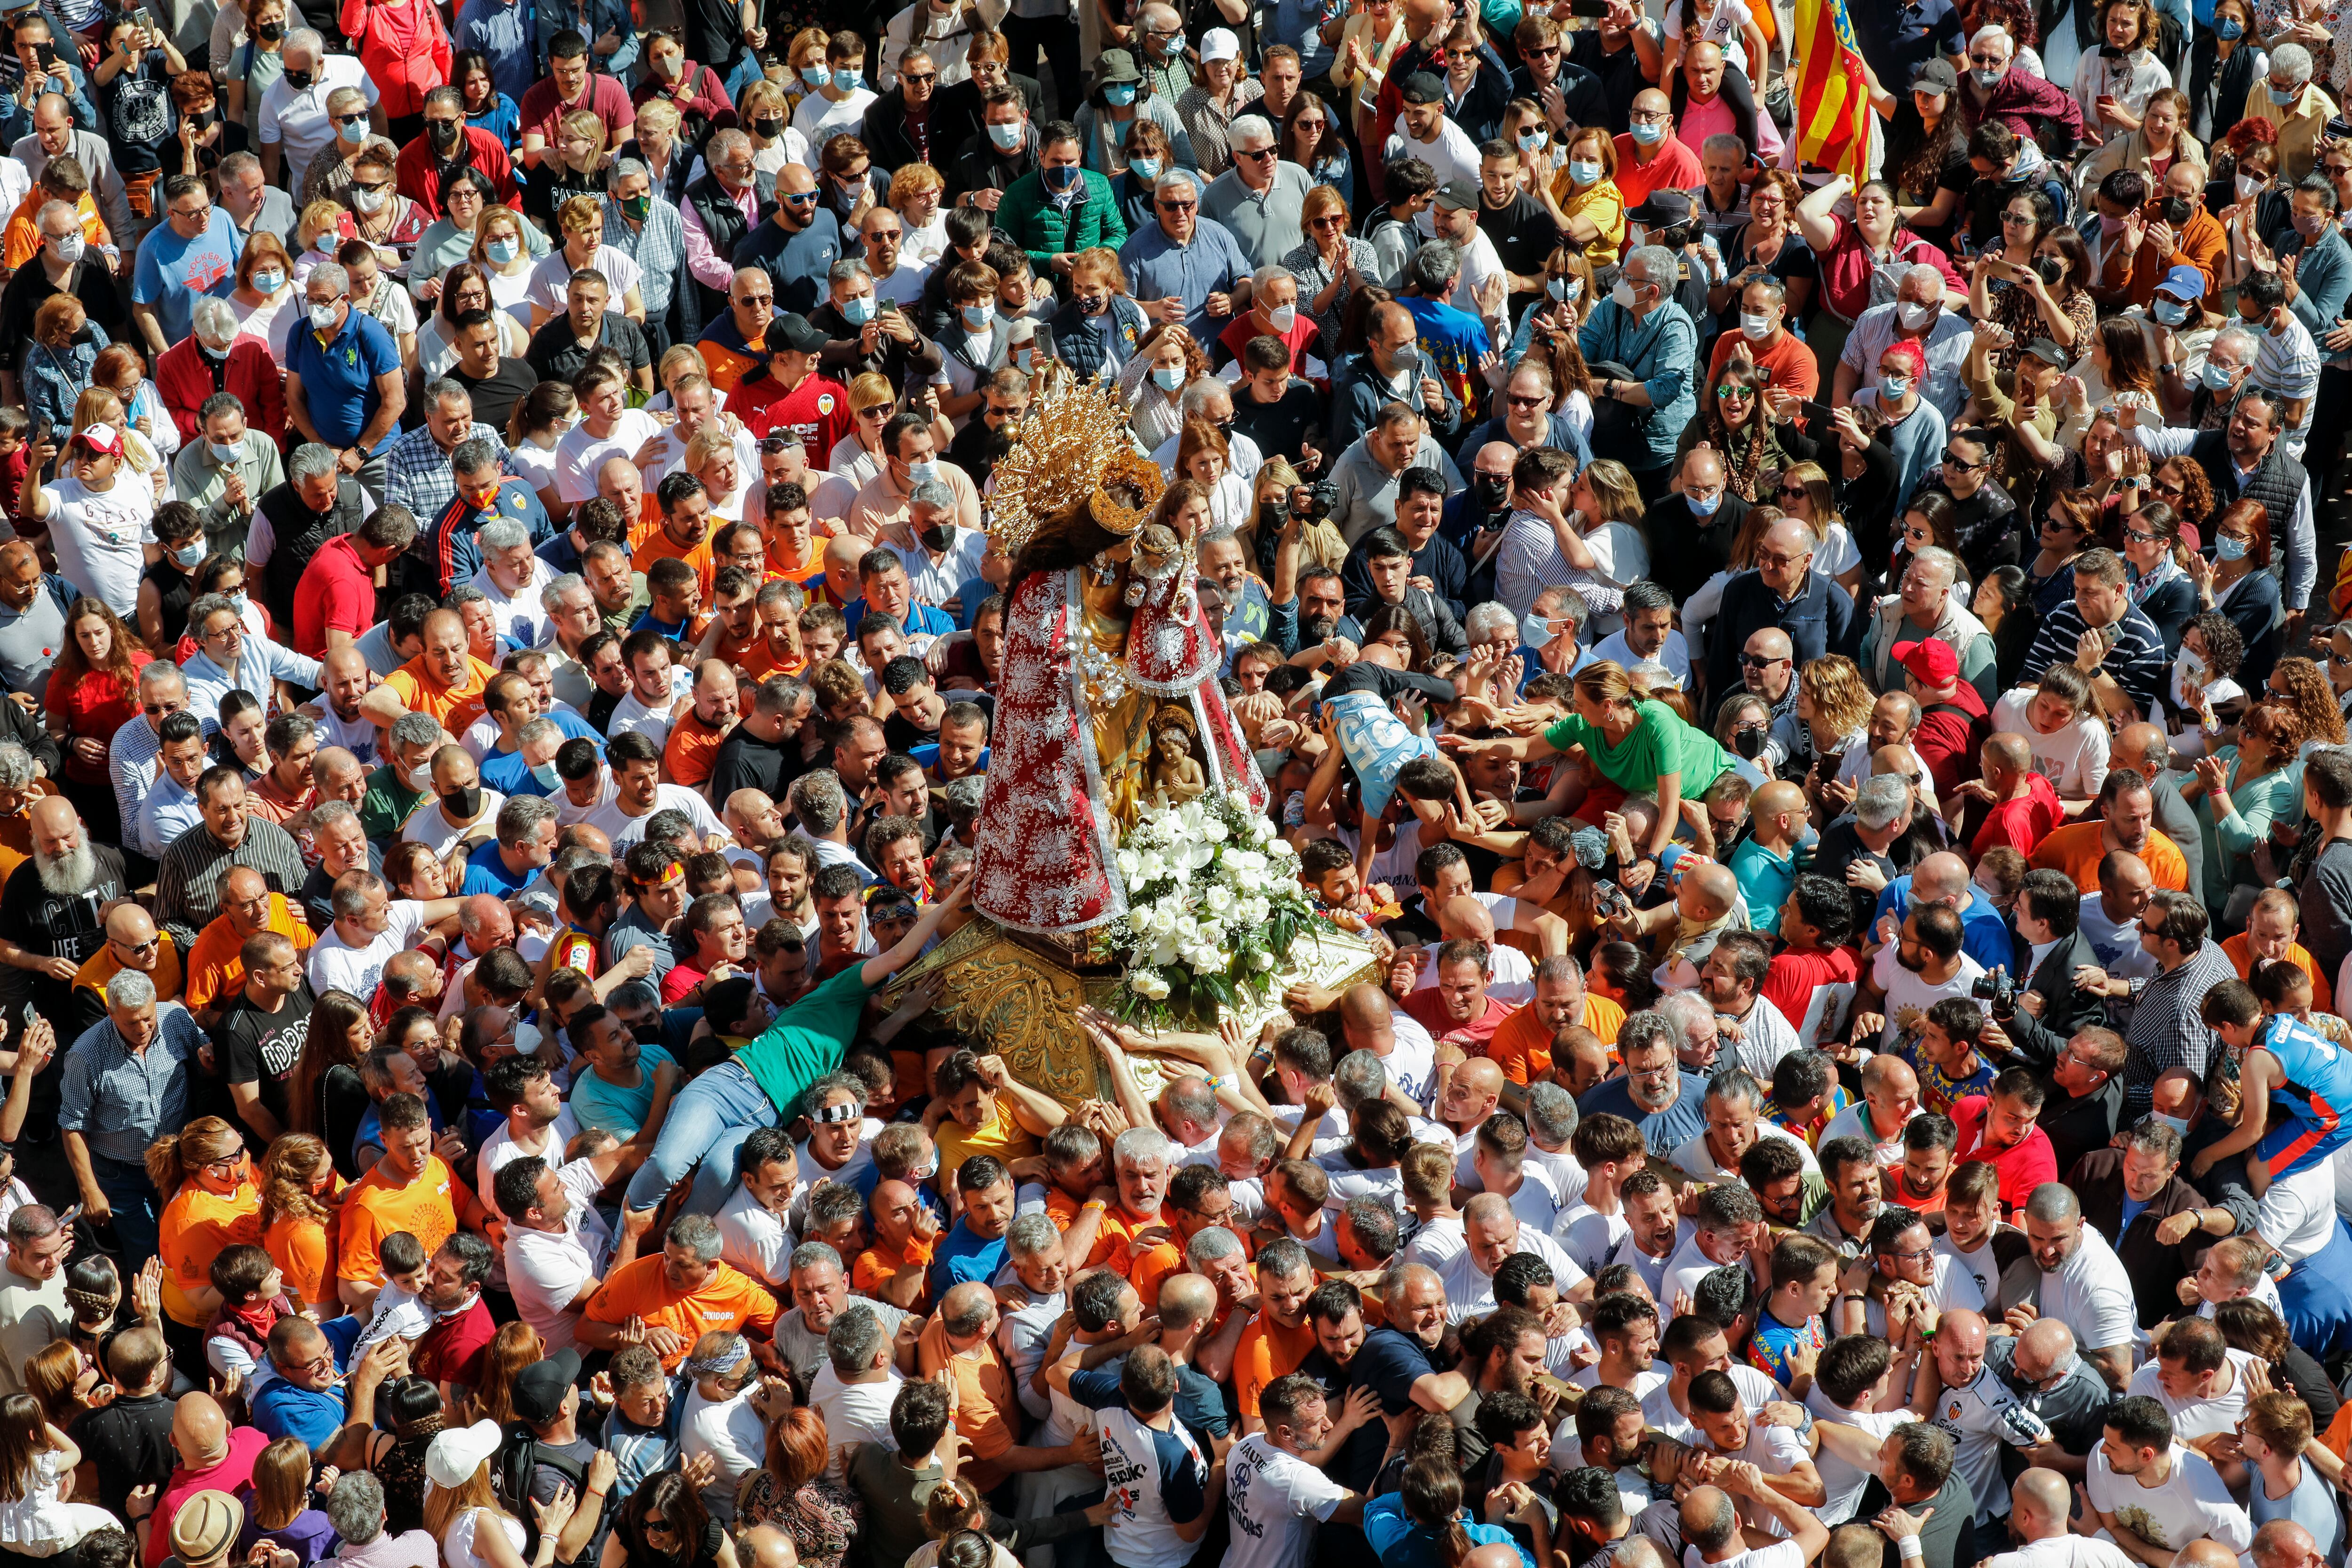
(1833, 120)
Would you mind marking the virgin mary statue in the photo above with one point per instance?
(1100, 638)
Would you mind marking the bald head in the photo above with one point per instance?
(1777, 798)
(1186, 1300)
(131, 926)
(1785, 538)
(1940, 878)
(1712, 889)
(1965, 1326)
(2007, 758)
(1890, 1073)
(1479, 1075)
(1365, 1007)
(1771, 642)
(1494, 1554)
(963, 1300)
(199, 1430)
(2041, 1500)
(2142, 747)
(2281, 1543)
(1465, 919)
(2046, 1348)
(769, 1547)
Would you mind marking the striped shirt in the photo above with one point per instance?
(2286, 361)
(2138, 662)
(131, 762)
(188, 879)
(2165, 1030)
(658, 250)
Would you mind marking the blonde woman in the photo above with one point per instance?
(505, 261)
(1607, 508)
(1833, 704)
(1330, 262)
(677, 360)
(582, 221)
(857, 456)
(1584, 198)
(916, 193)
(1803, 492)
(328, 177)
(1319, 542)
(653, 142)
(767, 120)
(805, 70)
(317, 232)
(711, 457)
(577, 168)
(462, 1511)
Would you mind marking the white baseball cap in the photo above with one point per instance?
(1219, 44)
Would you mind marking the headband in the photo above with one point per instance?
(847, 1110)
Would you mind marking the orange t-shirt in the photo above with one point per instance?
(2239, 950)
(428, 1207)
(658, 543)
(727, 1300)
(692, 748)
(1521, 1045)
(1267, 1351)
(983, 1389)
(421, 693)
(2077, 849)
(304, 1250)
(99, 969)
(194, 1228)
(881, 1263)
(216, 963)
(806, 573)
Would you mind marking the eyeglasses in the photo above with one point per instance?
(1989, 62)
(1767, 558)
(1334, 221)
(149, 945)
(923, 80)
(1651, 119)
(1952, 460)
(1545, 53)
(1757, 661)
(2022, 220)
(1254, 154)
(203, 211)
(757, 299)
(226, 1162)
(1516, 401)
(1919, 1256)
(1793, 492)
(797, 199)
(161, 710)
(1741, 393)
(2160, 487)
(2139, 537)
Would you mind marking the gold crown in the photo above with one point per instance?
(1073, 450)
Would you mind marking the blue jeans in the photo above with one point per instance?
(707, 1122)
(138, 1210)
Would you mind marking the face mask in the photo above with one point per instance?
(209, 351)
(2283, 99)
(2110, 226)
(1564, 289)
(548, 778)
(1167, 378)
(813, 74)
(2177, 210)
(922, 473)
(975, 318)
(636, 209)
(1023, 358)
(1284, 318)
(1063, 178)
(1583, 171)
(2170, 314)
(225, 454)
(1704, 508)
(444, 133)
(1533, 140)
(1894, 388)
(1094, 304)
(2309, 227)
(1119, 94)
(2228, 549)
(1533, 630)
(847, 81)
(2229, 29)
(1649, 135)
(368, 201)
(2216, 376)
(767, 128)
(323, 318)
(2049, 269)
(2248, 185)
(1914, 317)
(859, 311)
(297, 81)
(1006, 137)
(1493, 491)
(2189, 662)
(1144, 168)
(502, 251)
(419, 778)
(1755, 328)
(938, 536)
(271, 32)
(191, 556)
(464, 801)
(1622, 295)
(352, 134)
(2178, 1124)
(1985, 79)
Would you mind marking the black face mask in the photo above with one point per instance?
(271, 32)
(938, 536)
(2050, 269)
(1493, 491)
(1749, 744)
(2177, 210)
(464, 801)
(297, 81)
(443, 132)
(770, 128)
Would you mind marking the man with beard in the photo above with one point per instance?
(557, 1245)
(188, 880)
(451, 1351)
(1655, 1093)
(52, 913)
(1850, 1168)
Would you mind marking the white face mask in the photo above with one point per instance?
(68, 247)
(1755, 327)
(323, 318)
(1913, 317)
(1622, 295)
(1284, 318)
(419, 778)
(368, 201)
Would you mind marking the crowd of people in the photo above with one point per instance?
(504, 636)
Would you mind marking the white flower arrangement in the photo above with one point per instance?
(1214, 908)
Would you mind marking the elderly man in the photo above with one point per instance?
(418, 473)
(681, 1292)
(65, 264)
(1258, 199)
(309, 1399)
(1655, 1093)
(651, 233)
(1916, 315)
(236, 658)
(188, 880)
(126, 1083)
(344, 389)
(1785, 594)
(1925, 609)
(1652, 337)
(1185, 267)
(1367, 476)
(2292, 104)
(63, 895)
(717, 212)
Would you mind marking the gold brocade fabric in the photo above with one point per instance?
(1120, 715)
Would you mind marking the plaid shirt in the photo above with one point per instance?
(417, 473)
(2165, 1030)
(121, 1100)
(659, 248)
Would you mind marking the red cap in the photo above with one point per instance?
(1932, 663)
(102, 438)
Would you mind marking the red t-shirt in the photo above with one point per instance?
(97, 707)
(451, 1350)
(604, 98)
(1298, 339)
(1795, 975)
(1427, 1008)
(1676, 168)
(236, 1471)
(1949, 741)
(817, 410)
(2022, 1168)
(2021, 823)
(336, 592)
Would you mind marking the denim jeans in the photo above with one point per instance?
(708, 1121)
(138, 1211)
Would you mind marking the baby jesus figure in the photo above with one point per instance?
(1176, 777)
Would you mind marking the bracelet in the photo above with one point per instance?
(1095, 1204)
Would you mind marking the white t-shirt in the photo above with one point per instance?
(430, 827)
(1688, 1266)
(98, 536)
(2192, 1503)
(1982, 1264)
(1567, 1178)
(1274, 1500)
(2068, 1551)
(521, 618)
(625, 830)
(578, 455)
(298, 122)
(1411, 1061)
(1470, 1293)
(854, 1413)
(546, 1268)
(1652, 1270)
(819, 119)
(2195, 1419)
(1977, 1419)
(1904, 988)
(753, 1241)
(1756, 1390)
(2092, 1294)
(1842, 1484)
(1694, 1159)
(1775, 1450)
(1725, 26)
(551, 280)
(1514, 978)
(1953, 1288)
(730, 1430)
(2075, 760)
(337, 965)
(1139, 1533)
(1588, 1235)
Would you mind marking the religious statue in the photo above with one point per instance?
(1175, 777)
(1103, 634)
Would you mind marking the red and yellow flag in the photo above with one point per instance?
(1833, 111)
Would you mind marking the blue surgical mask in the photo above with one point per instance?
(1167, 378)
(1533, 630)
(1894, 388)
(859, 311)
(1061, 178)
(2281, 99)
(191, 556)
(1144, 168)
(1007, 137)
(222, 454)
(1649, 135)
(1987, 79)
(1533, 140)
(1119, 94)
(2216, 378)
(976, 317)
(2178, 1124)
(1565, 288)
(2228, 549)
(1583, 171)
(1704, 506)
(548, 779)
(849, 80)
(242, 604)
(922, 473)
(502, 251)
(2229, 29)
(2170, 314)
(813, 74)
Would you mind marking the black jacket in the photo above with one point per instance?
(887, 138)
(2155, 1268)
(1438, 561)
(1685, 549)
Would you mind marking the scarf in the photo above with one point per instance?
(2144, 583)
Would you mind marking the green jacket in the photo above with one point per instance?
(1028, 217)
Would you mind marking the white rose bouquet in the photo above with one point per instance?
(1214, 908)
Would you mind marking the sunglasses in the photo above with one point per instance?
(1516, 401)
(1793, 492)
(1757, 661)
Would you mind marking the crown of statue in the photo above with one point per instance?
(1073, 450)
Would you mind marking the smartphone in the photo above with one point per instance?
(1811, 411)
(69, 1215)
(1590, 8)
(47, 55)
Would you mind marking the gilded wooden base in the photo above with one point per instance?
(1023, 1002)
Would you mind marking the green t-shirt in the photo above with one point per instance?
(1660, 743)
(387, 804)
(808, 1038)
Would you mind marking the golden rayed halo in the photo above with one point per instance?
(1074, 449)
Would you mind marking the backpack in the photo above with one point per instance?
(517, 1466)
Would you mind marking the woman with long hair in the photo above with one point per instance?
(67, 1384)
(463, 287)
(37, 1478)
(2004, 607)
(2046, 295)
(2300, 684)
(2157, 586)
(462, 1510)
(2225, 57)
(1552, 319)
(1805, 492)
(1928, 137)
(2252, 1325)
(1313, 138)
(791, 1491)
(1401, 630)
(263, 298)
(1204, 456)
(485, 107)
(2182, 484)
(210, 1202)
(2067, 523)
(1424, 1525)
(281, 1511)
(1319, 542)
(1833, 703)
(857, 456)
(300, 1191)
(2113, 83)
(665, 1525)
(514, 1347)
(1164, 363)
(1862, 257)
(93, 691)
(412, 1407)
(57, 362)
(506, 261)
(539, 420)
(325, 1098)
(1736, 420)
(1584, 199)
(2150, 150)
(1930, 519)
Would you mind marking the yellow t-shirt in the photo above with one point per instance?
(1603, 204)
(1003, 1137)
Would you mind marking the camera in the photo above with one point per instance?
(1313, 502)
(1997, 989)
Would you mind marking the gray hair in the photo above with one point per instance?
(29, 1223)
(352, 890)
(302, 38)
(626, 168)
(1031, 1234)
(356, 1507)
(332, 275)
(128, 989)
(933, 495)
(1258, 279)
(1197, 396)
(1490, 614)
(538, 729)
(1941, 559)
(723, 143)
(857, 1334)
(2238, 336)
(211, 318)
(445, 390)
(1724, 141)
(1684, 1009)
(1880, 800)
(558, 594)
(1252, 128)
(472, 455)
(161, 671)
(2292, 61)
(2151, 1136)
(1173, 178)
(519, 818)
(312, 460)
(1642, 1030)
(1991, 31)
(206, 606)
(502, 534)
(1658, 266)
(1925, 277)
(1360, 1077)
(849, 270)
(1552, 1110)
(818, 800)
(811, 1254)
(327, 813)
(697, 1231)
(1434, 267)
(1732, 1085)
(1139, 1145)
(415, 729)
(16, 765)
(1208, 1246)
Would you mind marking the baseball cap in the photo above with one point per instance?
(452, 1457)
(2183, 283)
(538, 1388)
(1457, 195)
(1935, 76)
(103, 438)
(1219, 44)
(1422, 87)
(1932, 663)
(207, 1526)
(1662, 209)
(2048, 353)
(792, 332)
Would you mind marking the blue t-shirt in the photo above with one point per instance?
(282, 1410)
(620, 1112)
(485, 872)
(1668, 1129)
(1984, 935)
(961, 1256)
(339, 377)
(1200, 1403)
(1401, 1543)
(172, 272)
(507, 774)
(1765, 880)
